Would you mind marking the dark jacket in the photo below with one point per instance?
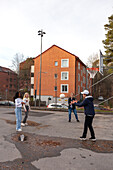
(88, 105)
(69, 101)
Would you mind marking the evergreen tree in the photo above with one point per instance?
(108, 42)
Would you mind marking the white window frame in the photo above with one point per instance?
(67, 88)
(67, 75)
(67, 63)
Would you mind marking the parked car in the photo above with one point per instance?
(100, 98)
(57, 105)
(7, 103)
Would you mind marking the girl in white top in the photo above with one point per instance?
(18, 110)
(26, 108)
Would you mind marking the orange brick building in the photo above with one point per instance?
(62, 72)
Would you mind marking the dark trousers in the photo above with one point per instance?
(88, 124)
(26, 114)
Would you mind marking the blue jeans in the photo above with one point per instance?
(18, 113)
(75, 113)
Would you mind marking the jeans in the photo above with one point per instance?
(18, 113)
(88, 124)
(26, 114)
(75, 113)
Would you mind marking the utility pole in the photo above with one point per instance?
(40, 32)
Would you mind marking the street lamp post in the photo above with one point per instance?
(40, 32)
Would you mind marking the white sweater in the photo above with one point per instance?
(18, 102)
(26, 101)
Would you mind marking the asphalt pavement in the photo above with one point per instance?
(52, 143)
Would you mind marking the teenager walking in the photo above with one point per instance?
(89, 114)
(26, 108)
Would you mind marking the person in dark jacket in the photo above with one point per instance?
(72, 107)
(89, 114)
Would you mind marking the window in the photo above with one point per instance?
(32, 86)
(65, 63)
(15, 85)
(83, 69)
(78, 65)
(81, 72)
(56, 63)
(78, 89)
(64, 88)
(78, 77)
(83, 79)
(32, 74)
(55, 88)
(81, 83)
(55, 75)
(64, 75)
(10, 85)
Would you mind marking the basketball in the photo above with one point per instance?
(62, 96)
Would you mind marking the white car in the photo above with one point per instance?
(57, 105)
(100, 98)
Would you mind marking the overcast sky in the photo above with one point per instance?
(74, 25)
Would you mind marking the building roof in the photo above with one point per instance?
(61, 49)
(6, 70)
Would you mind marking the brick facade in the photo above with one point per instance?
(75, 67)
(8, 83)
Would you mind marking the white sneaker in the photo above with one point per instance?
(19, 130)
(26, 124)
(22, 124)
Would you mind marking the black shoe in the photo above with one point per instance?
(69, 121)
(78, 120)
(82, 138)
(93, 139)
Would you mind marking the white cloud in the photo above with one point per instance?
(76, 26)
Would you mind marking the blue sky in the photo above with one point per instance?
(76, 26)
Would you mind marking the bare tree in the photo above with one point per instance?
(93, 60)
(18, 58)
